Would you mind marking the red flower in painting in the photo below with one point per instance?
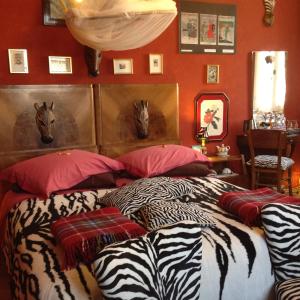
(211, 118)
(208, 117)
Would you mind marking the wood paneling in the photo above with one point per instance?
(116, 131)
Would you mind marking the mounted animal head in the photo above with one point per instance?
(92, 59)
(141, 118)
(45, 121)
(269, 12)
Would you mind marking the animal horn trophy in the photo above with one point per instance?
(269, 12)
(141, 118)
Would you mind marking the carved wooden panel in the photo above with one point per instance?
(74, 120)
(115, 125)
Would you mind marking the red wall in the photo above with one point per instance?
(21, 27)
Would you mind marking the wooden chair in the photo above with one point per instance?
(267, 149)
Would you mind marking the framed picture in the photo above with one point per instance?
(211, 112)
(18, 62)
(60, 65)
(123, 66)
(212, 75)
(53, 13)
(207, 27)
(156, 64)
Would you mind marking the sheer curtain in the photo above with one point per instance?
(117, 24)
(269, 81)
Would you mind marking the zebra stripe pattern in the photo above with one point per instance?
(132, 197)
(269, 9)
(164, 264)
(288, 289)
(282, 226)
(162, 213)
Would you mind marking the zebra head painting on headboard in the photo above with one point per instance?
(269, 12)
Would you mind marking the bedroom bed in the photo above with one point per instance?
(235, 262)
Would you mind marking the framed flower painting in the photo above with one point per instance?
(211, 112)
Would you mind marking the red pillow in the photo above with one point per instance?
(45, 174)
(156, 160)
(247, 205)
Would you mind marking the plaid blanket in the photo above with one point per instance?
(83, 234)
(247, 204)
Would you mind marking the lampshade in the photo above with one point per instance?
(117, 24)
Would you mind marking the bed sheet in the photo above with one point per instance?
(235, 263)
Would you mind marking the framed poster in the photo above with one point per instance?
(211, 112)
(207, 28)
(53, 13)
(18, 62)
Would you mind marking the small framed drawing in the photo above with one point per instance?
(18, 62)
(123, 66)
(60, 65)
(156, 63)
(53, 12)
(212, 75)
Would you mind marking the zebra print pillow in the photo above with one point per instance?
(161, 213)
(282, 227)
(270, 161)
(164, 264)
(131, 198)
(288, 289)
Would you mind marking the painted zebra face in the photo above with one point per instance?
(269, 12)
(45, 121)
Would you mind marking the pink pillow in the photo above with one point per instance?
(45, 174)
(156, 160)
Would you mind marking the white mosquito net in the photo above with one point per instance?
(117, 24)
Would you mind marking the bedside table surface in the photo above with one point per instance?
(217, 158)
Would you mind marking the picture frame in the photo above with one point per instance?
(212, 74)
(60, 64)
(211, 112)
(52, 13)
(155, 63)
(18, 62)
(209, 28)
(123, 66)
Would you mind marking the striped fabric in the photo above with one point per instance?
(247, 204)
(161, 213)
(288, 289)
(270, 161)
(83, 234)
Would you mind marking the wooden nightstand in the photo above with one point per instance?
(221, 162)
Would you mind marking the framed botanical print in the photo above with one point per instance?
(211, 112)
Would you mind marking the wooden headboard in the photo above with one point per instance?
(116, 131)
(94, 118)
(74, 120)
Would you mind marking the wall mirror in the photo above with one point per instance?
(269, 88)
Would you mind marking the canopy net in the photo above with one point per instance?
(117, 24)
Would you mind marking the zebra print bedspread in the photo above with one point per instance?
(235, 260)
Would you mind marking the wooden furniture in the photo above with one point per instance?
(293, 138)
(220, 162)
(274, 141)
